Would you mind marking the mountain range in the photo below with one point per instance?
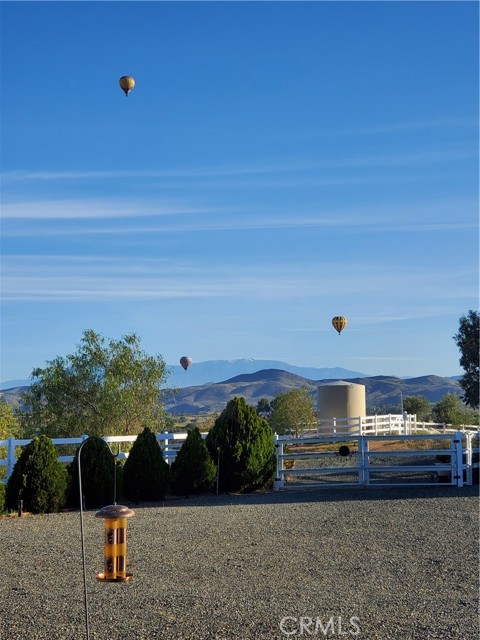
(207, 386)
(381, 391)
(219, 370)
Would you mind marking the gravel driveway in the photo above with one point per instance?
(369, 563)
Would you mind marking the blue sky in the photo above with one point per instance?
(278, 163)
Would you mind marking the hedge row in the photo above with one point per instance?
(240, 442)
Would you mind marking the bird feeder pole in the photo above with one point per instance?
(83, 541)
(115, 537)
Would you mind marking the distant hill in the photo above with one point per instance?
(217, 370)
(381, 391)
(10, 384)
(200, 373)
(385, 390)
(12, 396)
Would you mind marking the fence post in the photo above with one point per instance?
(457, 443)
(469, 457)
(10, 456)
(376, 425)
(361, 460)
(278, 482)
(166, 449)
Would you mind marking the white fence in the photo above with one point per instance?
(349, 460)
(401, 426)
(170, 443)
(404, 424)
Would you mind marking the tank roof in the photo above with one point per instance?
(340, 383)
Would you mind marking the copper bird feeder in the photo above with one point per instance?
(115, 566)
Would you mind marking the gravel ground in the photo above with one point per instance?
(369, 563)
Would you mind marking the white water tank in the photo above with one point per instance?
(340, 400)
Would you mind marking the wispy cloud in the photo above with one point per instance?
(416, 125)
(150, 283)
(130, 217)
(48, 278)
(69, 209)
(253, 168)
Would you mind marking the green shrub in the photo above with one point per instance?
(98, 470)
(243, 443)
(193, 470)
(145, 473)
(2, 497)
(38, 478)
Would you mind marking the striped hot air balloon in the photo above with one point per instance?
(339, 323)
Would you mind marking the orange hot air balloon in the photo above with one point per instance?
(185, 361)
(339, 323)
(126, 83)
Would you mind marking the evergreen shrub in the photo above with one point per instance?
(145, 472)
(243, 443)
(38, 478)
(2, 497)
(98, 472)
(193, 470)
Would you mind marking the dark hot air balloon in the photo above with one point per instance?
(126, 83)
(185, 361)
(339, 323)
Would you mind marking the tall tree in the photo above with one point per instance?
(417, 405)
(263, 406)
(8, 421)
(449, 410)
(107, 387)
(9, 428)
(292, 412)
(467, 340)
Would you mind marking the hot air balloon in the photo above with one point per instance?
(339, 323)
(126, 83)
(185, 361)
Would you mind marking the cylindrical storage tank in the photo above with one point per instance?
(340, 400)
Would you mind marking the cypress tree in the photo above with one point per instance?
(243, 444)
(38, 478)
(145, 473)
(193, 470)
(98, 473)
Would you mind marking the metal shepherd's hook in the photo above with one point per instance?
(81, 522)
